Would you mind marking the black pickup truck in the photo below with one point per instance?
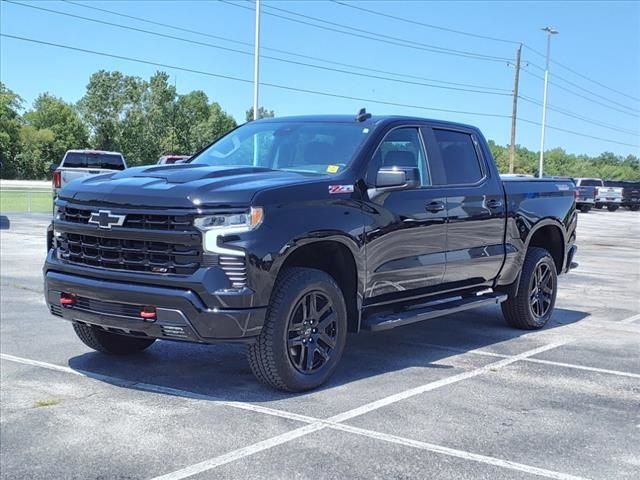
(288, 233)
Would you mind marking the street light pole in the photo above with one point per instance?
(256, 62)
(550, 31)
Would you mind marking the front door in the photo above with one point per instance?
(406, 239)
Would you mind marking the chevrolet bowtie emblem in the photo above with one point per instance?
(105, 219)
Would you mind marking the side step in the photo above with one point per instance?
(386, 320)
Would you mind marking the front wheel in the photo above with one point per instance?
(612, 208)
(533, 306)
(634, 208)
(108, 342)
(585, 208)
(304, 333)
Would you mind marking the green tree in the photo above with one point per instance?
(192, 109)
(217, 124)
(36, 150)
(62, 119)
(108, 99)
(262, 113)
(10, 124)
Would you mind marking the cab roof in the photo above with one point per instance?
(374, 120)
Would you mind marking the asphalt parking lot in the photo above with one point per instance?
(459, 397)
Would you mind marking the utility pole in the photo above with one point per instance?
(256, 62)
(550, 31)
(514, 112)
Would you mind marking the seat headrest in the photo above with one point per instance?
(400, 158)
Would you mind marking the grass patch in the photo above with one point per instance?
(47, 403)
(22, 201)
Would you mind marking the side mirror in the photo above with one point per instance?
(397, 178)
(53, 167)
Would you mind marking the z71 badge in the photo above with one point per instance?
(340, 189)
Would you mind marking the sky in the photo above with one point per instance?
(598, 41)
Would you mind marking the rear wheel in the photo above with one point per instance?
(108, 342)
(612, 208)
(532, 307)
(304, 333)
(585, 208)
(634, 208)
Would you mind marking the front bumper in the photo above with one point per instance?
(180, 312)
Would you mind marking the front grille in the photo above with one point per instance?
(133, 220)
(235, 268)
(130, 255)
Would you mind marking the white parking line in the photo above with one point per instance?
(333, 422)
(161, 389)
(452, 452)
(383, 402)
(535, 360)
(318, 424)
(631, 319)
(241, 453)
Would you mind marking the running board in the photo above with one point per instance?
(386, 321)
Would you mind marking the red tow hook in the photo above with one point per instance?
(148, 313)
(67, 300)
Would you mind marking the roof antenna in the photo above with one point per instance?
(363, 115)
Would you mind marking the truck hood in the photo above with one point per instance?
(180, 186)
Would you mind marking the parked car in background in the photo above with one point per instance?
(630, 193)
(171, 159)
(81, 163)
(585, 194)
(610, 197)
(332, 224)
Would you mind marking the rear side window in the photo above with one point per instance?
(106, 161)
(460, 163)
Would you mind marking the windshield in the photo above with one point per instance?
(311, 147)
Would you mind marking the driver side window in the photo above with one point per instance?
(400, 148)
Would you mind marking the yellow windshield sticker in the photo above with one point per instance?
(333, 168)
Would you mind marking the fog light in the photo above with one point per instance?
(67, 299)
(148, 313)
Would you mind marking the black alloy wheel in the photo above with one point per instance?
(312, 332)
(541, 290)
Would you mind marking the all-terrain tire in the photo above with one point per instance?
(518, 310)
(270, 356)
(108, 342)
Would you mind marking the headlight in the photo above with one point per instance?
(215, 226)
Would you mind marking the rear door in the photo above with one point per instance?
(475, 206)
(406, 239)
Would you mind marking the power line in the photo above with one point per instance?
(244, 80)
(422, 24)
(294, 62)
(572, 132)
(561, 87)
(555, 75)
(569, 113)
(286, 52)
(584, 76)
(369, 35)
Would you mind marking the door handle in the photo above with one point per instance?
(494, 203)
(434, 207)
